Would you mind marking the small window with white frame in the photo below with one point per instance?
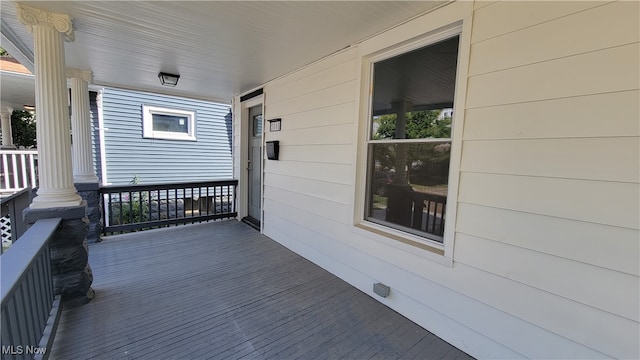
(408, 144)
(166, 123)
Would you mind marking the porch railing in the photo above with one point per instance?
(136, 207)
(30, 311)
(429, 213)
(19, 170)
(11, 224)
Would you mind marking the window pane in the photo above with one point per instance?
(413, 125)
(408, 185)
(171, 123)
(413, 93)
(257, 125)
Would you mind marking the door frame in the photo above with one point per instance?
(243, 181)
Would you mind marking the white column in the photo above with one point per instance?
(55, 175)
(7, 135)
(83, 170)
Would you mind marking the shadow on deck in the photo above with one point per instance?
(221, 290)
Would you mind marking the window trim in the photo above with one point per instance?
(389, 235)
(147, 123)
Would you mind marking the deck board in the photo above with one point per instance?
(223, 291)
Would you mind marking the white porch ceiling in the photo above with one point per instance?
(219, 48)
(17, 90)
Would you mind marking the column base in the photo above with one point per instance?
(56, 199)
(81, 179)
(72, 275)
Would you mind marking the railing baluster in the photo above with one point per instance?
(215, 198)
(175, 193)
(43, 295)
(149, 205)
(121, 209)
(31, 297)
(14, 165)
(48, 274)
(5, 171)
(32, 170)
(109, 211)
(22, 315)
(192, 204)
(14, 322)
(25, 179)
(208, 201)
(130, 207)
(7, 332)
(442, 217)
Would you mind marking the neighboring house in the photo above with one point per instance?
(159, 138)
(539, 255)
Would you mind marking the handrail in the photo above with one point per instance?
(12, 197)
(164, 186)
(144, 206)
(30, 310)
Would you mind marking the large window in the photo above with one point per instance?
(164, 123)
(409, 142)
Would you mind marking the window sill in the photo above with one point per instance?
(404, 241)
(162, 135)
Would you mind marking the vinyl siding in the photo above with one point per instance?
(128, 154)
(546, 251)
(95, 131)
(550, 168)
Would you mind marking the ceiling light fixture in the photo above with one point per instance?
(167, 79)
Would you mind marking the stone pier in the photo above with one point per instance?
(90, 193)
(72, 276)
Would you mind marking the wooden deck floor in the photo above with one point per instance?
(223, 291)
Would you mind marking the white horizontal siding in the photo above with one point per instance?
(607, 203)
(546, 248)
(576, 240)
(583, 116)
(319, 206)
(316, 106)
(550, 168)
(341, 93)
(580, 75)
(505, 17)
(557, 158)
(594, 286)
(590, 30)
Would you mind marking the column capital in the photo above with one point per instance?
(85, 75)
(35, 17)
(6, 111)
